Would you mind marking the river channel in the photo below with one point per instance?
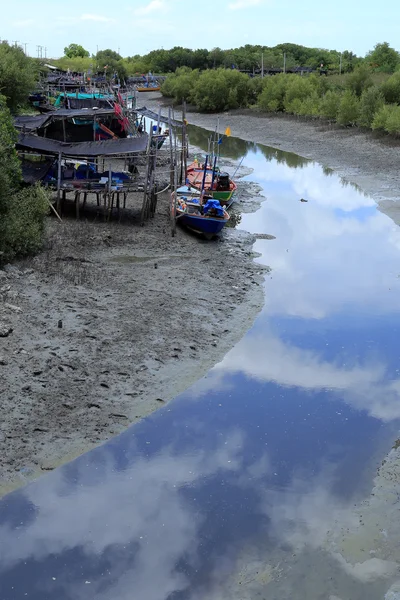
(235, 489)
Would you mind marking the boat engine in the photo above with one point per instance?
(223, 183)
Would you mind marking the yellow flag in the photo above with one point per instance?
(228, 131)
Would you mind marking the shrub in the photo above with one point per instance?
(348, 109)
(211, 92)
(18, 75)
(329, 105)
(24, 223)
(370, 102)
(359, 80)
(298, 90)
(393, 120)
(381, 116)
(273, 95)
(22, 210)
(391, 88)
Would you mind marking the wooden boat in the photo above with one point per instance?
(216, 183)
(201, 214)
(149, 88)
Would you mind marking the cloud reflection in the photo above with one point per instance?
(266, 358)
(110, 510)
(325, 255)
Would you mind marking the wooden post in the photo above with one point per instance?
(64, 131)
(59, 183)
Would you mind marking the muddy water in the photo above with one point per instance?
(235, 489)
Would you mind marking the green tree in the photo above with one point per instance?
(391, 88)
(22, 210)
(18, 75)
(110, 62)
(370, 102)
(383, 58)
(273, 95)
(348, 109)
(359, 80)
(381, 116)
(75, 51)
(329, 105)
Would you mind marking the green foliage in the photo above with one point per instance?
(383, 58)
(110, 62)
(77, 64)
(391, 88)
(180, 84)
(381, 116)
(211, 90)
(348, 109)
(393, 120)
(220, 90)
(75, 51)
(273, 95)
(18, 75)
(359, 80)
(370, 102)
(24, 224)
(329, 105)
(298, 90)
(22, 210)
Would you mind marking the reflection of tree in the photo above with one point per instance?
(286, 158)
(231, 147)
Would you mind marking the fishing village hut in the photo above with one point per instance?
(96, 152)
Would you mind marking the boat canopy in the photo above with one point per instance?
(114, 147)
(146, 112)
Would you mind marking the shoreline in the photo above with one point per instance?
(357, 156)
(138, 327)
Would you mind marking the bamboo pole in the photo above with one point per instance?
(59, 182)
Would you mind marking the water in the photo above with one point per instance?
(232, 490)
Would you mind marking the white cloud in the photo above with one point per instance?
(239, 4)
(97, 18)
(153, 6)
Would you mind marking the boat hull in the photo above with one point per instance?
(206, 226)
(194, 177)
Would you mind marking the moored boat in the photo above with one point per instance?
(217, 184)
(204, 215)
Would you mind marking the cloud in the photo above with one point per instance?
(97, 18)
(153, 6)
(239, 4)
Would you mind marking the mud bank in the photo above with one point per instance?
(106, 325)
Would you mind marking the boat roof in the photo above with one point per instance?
(130, 145)
(33, 122)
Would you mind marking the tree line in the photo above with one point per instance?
(246, 58)
(360, 98)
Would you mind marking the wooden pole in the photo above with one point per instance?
(59, 182)
(64, 131)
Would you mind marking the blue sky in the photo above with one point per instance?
(138, 26)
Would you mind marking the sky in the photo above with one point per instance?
(138, 26)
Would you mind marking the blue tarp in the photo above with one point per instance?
(214, 204)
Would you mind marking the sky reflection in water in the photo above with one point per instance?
(257, 461)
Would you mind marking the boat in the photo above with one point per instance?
(201, 214)
(149, 88)
(217, 184)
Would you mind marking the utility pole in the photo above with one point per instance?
(45, 52)
(38, 51)
(284, 62)
(16, 43)
(262, 65)
(25, 45)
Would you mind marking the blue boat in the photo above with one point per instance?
(200, 214)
